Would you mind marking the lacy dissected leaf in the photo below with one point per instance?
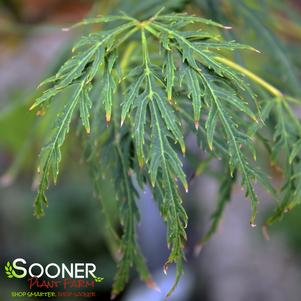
(194, 89)
(184, 19)
(169, 72)
(165, 167)
(139, 124)
(131, 254)
(109, 87)
(236, 138)
(221, 101)
(50, 156)
(85, 106)
(287, 137)
(78, 71)
(110, 158)
(159, 79)
(163, 164)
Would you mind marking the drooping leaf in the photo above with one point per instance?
(160, 97)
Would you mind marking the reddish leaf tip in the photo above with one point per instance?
(198, 249)
(165, 268)
(265, 232)
(153, 285)
(196, 124)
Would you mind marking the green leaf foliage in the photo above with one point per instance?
(287, 141)
(139, 87)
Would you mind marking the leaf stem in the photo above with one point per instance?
(251, 75)
(127, 54)
(146, 63)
